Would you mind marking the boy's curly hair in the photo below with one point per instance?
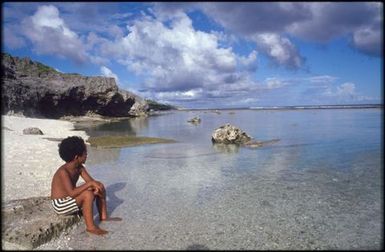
(70, 147)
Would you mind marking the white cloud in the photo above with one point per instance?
(346, 89)
(176, 58)
(315, 21)
(361, 21)
(249, 62)
(344, 92)
(321, 79)
(262, 23)
(173, 61)
(274, 83)
(108, 73)
(368, 39)
(280, 49)
(50, 35)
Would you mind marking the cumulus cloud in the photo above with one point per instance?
(280, 49)
(50, 35)
(368, 40)
(178, 59)
(249, 19)
(317, 89)
(108, 73)
(164, 11)
(361, 21)
(320, 22)
(346, 89)
(345, 93)
(173, 61)
(249, 62)
(100, 17)
(274, 83)
(255, 21)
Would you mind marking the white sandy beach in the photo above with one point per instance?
(29, 161)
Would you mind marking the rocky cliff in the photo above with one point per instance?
(33, 89)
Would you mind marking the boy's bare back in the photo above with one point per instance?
(61, 176)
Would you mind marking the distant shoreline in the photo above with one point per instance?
(346, 106)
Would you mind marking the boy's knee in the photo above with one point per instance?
(89, 195)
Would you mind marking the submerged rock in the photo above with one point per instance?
(257, 144)
(32, 131)
(195, 120)
(228, 134)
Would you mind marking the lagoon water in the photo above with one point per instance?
(319, 187)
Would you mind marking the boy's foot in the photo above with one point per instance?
(97, 231)
(111, 219)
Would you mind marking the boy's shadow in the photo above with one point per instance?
(112, 200)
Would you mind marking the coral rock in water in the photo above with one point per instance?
(229, 134)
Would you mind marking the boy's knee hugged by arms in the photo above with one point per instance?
(66, 197)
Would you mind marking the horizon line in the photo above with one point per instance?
(365, 105)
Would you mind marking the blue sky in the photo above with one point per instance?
(210, 54)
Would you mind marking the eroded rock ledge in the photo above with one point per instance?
(28, 223)
(36, 90)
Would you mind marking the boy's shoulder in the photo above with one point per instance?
(61, 169)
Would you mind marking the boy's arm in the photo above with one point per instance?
(70, 189)
(87, 177)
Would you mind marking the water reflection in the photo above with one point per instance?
(137, 124)
(102, 156)
(226, 148)
(161, 172)
(129, 127)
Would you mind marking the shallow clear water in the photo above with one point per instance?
(320, 186)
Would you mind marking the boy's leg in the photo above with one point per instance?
(101, 204)
(85, 200)
(102, 207)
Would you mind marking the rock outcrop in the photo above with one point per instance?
(228, 138)
(32, 131)
(32, 222)
(34, 89)
(228, 134)
(195, 120)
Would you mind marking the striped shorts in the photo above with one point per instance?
(65, 206)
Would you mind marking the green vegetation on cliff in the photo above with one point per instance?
(41, 68)
(153, 105)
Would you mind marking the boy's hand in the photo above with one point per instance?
(101, 186)
(96, 191)
(97, 188)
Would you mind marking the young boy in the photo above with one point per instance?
(69, 199)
